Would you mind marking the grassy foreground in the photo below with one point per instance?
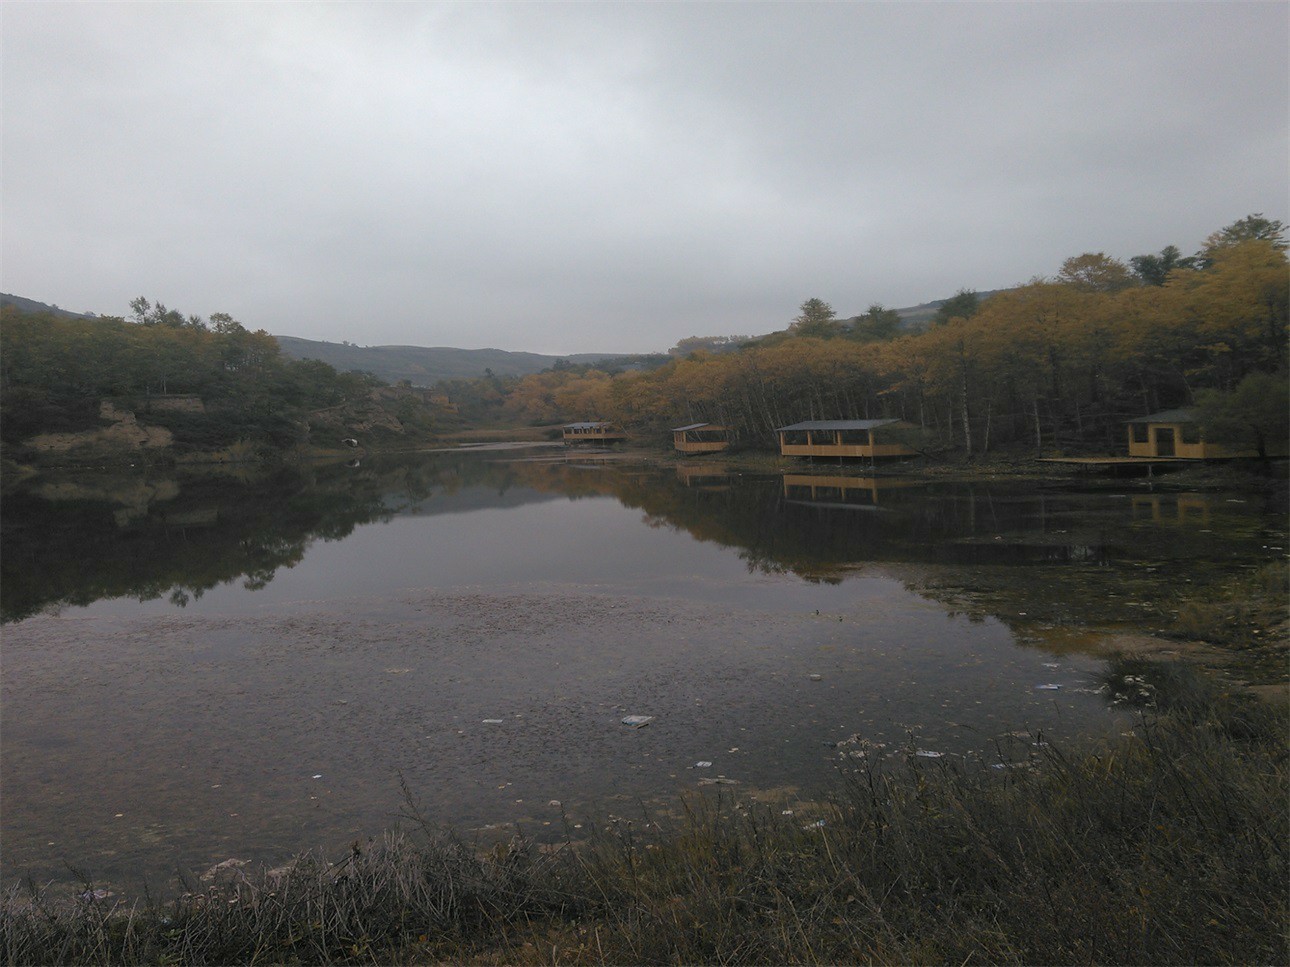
(1167, 846)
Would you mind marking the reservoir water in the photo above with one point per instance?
(247, 664)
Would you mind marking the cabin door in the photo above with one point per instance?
(1165, 441)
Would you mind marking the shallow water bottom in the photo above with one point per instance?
(138, 747)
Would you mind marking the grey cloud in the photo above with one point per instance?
(615, 177)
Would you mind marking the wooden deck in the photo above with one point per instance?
(1114, 461)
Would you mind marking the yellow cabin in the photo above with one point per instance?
(1175, 434)
(699, 438)
(845, 438)
(602, 432)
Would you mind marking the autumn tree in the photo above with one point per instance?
(1251, 228)
(1095, 272)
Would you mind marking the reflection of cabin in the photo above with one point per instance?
(699, 438)
(839, 491)
(703, 476)
(1175, 434)
(602, 432)
(845, 438)
(1186, 508)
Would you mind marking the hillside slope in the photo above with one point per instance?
(424, 366)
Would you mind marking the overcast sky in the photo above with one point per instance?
(613, 177)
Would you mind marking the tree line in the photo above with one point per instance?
(1058, 362)
(54, 371)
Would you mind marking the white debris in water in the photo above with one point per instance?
(637, 721)
(492, 721)
(704, 764)
(1050, 687)
(928, 754)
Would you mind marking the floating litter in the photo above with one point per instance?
(928, 754)
(817, 678)
(637, 721)
(1048, 688)
(492, 721)
(703, 765)
(319, 776)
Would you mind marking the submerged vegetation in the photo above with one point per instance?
(1167, 845)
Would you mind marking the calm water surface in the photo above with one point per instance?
(200, 667)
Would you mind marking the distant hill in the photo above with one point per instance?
(31, 305)
(915, 317)
(424, 366)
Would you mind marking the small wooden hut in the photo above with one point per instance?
(845, 438)
(1175, 434)
(592, 432)
(699, 438)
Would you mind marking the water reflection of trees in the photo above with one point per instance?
(74, 541)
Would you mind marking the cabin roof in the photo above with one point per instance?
(583, 426)
(696, 426)
(837, 425)
(1167, 416)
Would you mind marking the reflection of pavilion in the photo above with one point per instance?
(1187, 509)
(704, 476)
(840, 491)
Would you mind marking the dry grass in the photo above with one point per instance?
(1165, 846)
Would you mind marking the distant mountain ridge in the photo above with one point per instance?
(31, 305)
(426, 365)
(920, 315)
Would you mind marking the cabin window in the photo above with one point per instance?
(855, 438)
(1190, 433)
(795, 438)
(1139, 432)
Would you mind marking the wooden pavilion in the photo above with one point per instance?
(1176, 435)
(699, 438)
(845, 438)
(592, 432)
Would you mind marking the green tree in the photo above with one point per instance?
(1155, 269)
(816, 318)
(962, 305)
(1255, 415)
(877, 324)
